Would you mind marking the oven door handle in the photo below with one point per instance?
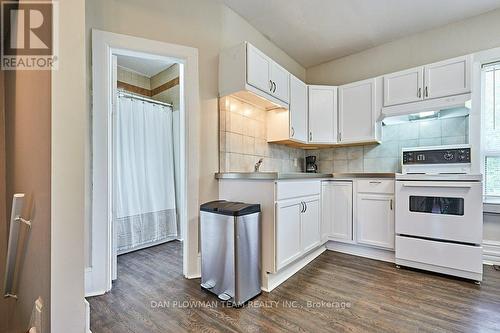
(437, 185)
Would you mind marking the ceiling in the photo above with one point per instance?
(146, 67)
(316, 31)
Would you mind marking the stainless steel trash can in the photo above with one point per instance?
(230, 250)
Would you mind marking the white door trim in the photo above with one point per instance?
(104, 45)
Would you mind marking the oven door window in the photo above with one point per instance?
(437, 205)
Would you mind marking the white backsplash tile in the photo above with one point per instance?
(430, 129)
(243, 141)
(385, 157)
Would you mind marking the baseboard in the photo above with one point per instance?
(271, 281)
(362, 251)
(193, 276)
(491, 252)
(87, 316)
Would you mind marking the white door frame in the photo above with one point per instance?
(98, 274)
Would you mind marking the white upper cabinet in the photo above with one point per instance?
(441, 79)
(266, 75)
(248, 74)
(280, 80)
(447, 78)
(404, 87)
(298, 110)
(359, 109)
(258, 65)
(285, 125)
(322, 114)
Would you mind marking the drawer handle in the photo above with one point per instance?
(375, 182)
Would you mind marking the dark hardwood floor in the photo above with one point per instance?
(334, 293)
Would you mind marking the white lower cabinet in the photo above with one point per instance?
(358, 211)
(336, 219)
(310, 219)
(297, 228)
(375, 219)
(288, 229)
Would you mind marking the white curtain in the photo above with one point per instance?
(144, 183)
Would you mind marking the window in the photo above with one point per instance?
(491, 129)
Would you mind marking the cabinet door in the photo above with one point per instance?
(280, 79)
(310, 225)
(298, 110)
(288, 230)
(336, 211)
(341, 223)
(447, 78)
(258, 69)
(375, 220)
(404, 87)
(357, 111)
(322, 114)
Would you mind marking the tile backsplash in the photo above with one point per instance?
(242, 135)
(385, 157)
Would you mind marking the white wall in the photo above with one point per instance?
(69, 116)
(206, 25)
(464, 37)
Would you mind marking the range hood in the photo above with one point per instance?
(454, 103)
(449, 107)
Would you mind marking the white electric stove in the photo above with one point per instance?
(439, 212)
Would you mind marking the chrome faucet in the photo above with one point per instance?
(257, 165)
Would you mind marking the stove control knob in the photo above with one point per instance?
(448, 156)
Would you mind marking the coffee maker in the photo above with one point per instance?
(311, 164)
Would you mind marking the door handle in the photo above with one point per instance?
(293, 131)
(305, 207)
(270, 85)
(426, 92)
(391, 204)
(310, 136)
(274, 84)
(419, 93)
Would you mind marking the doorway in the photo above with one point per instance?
(144, 92)
(145, 154)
